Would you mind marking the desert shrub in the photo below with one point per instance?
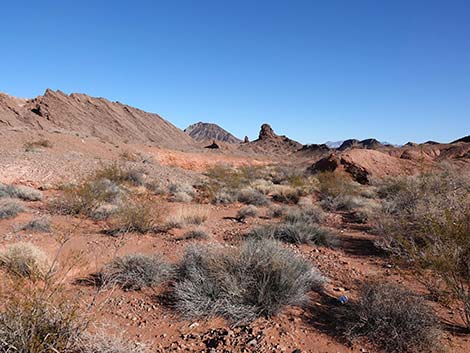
(10, 208)
(391, 318)
(296, 233)
(251, 196)
(246, 212)
(155, 187)
(120, 175)
(342, 203)
(20, 192)
(24, 260)
(286, 194)
(307, 214)
(277, 211)
(262, 185)
(134, 272)
(32, 324)
(181, 197)
(103, 212)
(196, 234)
(426, 220)
(140, 215)
(333, 185)
(40, 225)
(182, 187)
(224, 197)
(259, 278)
(31, 146)
(187, 216)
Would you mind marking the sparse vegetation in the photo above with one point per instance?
(140, 215)
(392, 318)
(258, 278)
(31, 146)
(10, 208)
(39, 225)
(134, 272)
(188, 215)
(296, 233)
(196, 234)
(246, 212)
(20, 192)
(251, 196)
(24, 260)
(120, 175)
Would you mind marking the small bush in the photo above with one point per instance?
(20, 192)
(196, 234)
(134, 272)
(259, 278)
(139, 215)
(276, 211)
(184, 188)
(391, 318)
(187, 216)
(87, 197)
(39, 225)
(246, 212)
(24, 260)
(31, 324)
(332, 185)
(181, 197)
(296, 233)
(120, 175)
(31, 146)
(10, 208)
(310, 214)
(103, 212)
(224, 197)
(287, 194)
(155, 187)
(251, 196)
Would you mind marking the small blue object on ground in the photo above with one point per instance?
(343, 299)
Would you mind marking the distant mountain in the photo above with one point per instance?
(354, 143)
(270, 143)
(208, 131)
(463, 139)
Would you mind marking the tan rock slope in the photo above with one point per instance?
(85, 115)
(210, 132)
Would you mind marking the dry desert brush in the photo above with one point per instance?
(134, 272)
(20, 192)
(10, 208)
(24, 260)
(391, 318)
(258, 278)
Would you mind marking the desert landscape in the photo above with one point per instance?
(120, 232)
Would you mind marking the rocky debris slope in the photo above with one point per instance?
(89, 116)
(209, 132)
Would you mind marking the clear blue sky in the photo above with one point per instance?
(397, 70)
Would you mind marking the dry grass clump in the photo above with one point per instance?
(247, 212)
(287, 194)
(181, 193)
(10, 208)
(259, 278)
(34, 325)
(87, 197)
(140, 215)
(120, 175)
(134, 272)
(20, 192)
(103, 212)
(338, 191)
(391, 318)
(306, 214)
(224, 197)
(24, 260)
(196, 234)
(277, 211)
(155, 187)
(31, 146)
(296, 233)
(39, 225)
(188, 215)
(251, 196)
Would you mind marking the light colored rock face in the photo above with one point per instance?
(85, 115)
(210, 132)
